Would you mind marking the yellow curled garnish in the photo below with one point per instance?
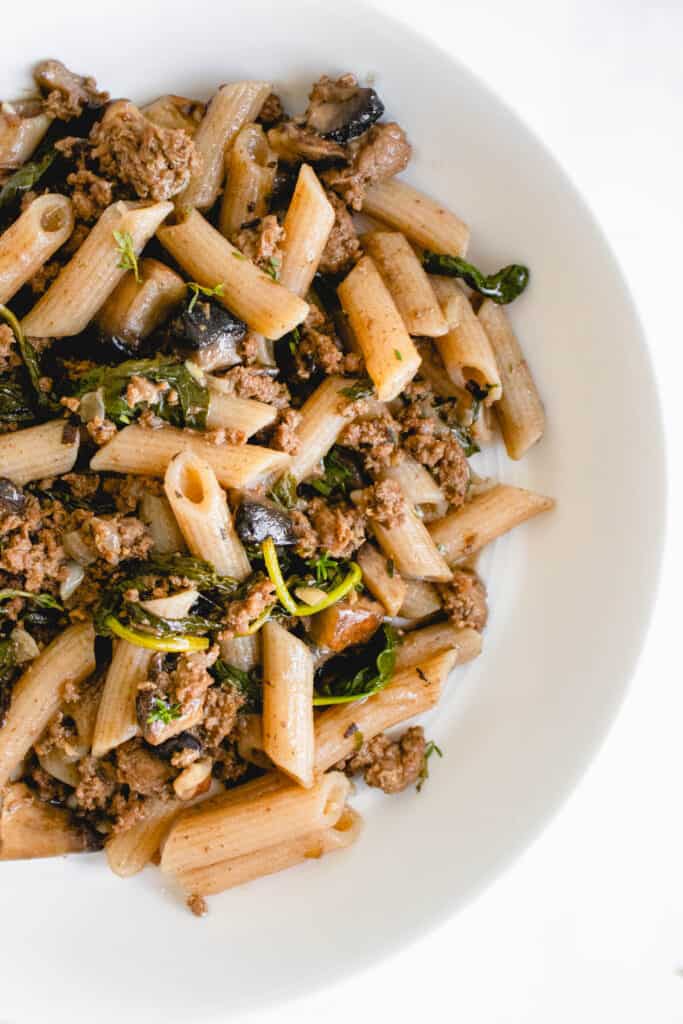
(284, 596)
(257, 623)
(171, 644)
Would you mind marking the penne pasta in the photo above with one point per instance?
(251, 818)
(174, 112)
(520, 410)
(416, 482)
(117, 719)
(250, 164)
(409, 545)
(411, 691)
(243, 652)
(245, 414)
(382, 579)
(37, 452)
(250, 741)
(135, 309)
(407, 282)
(421, 600)
(156, 511)
(30, 828)
(307, 227)
(68, 660)
(465, 350)
(389, 352)
(201, 510)
(487, 516)
(323, 417)
(139, 450)
(207, 881)
(420, 645)
(251, 294)
(230, 108)
(87, 280)
(22, 126)
(421, 219)
(288, 703)
(31, 240)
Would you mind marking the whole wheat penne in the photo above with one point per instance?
(251, 294)
(174, 112)
(288, 703)
(421, 644)
(245, 414)
(136, 308)
(465, 350)
(117, 719)
(416, 482)
(201, 510)
(421, 600)
(69, 659)
(407, 282)
(30, 828)
(410, 692)
(381, 578)
(37, 452)
(520, 409)
(139, 450)
(231, 107)
(22, 125)
(234, 824)
(156, 511)
(421, 219)
(250, 741)
(30, 241)
(434, 372)
(250, 164)
(83, 285)
(244, 652)
(227, 874)
(390, 354)
(409, 545)
(323, 417)
(307, 227)
(485, 517)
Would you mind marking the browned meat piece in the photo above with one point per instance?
(262, 242)
(443, 454)
(338, 529)
(91, 194)
(67, 93)
(198, 905)
(8, 353)
(101, 430)
(116, 538)
(380, 154)
(285, 437)
(97, 785)
(343, 248)
(169, 703)
(248, 383)
(271, 112)
(220, 713)
(240, 614)
(377, 438)
(128, 491)
(348, 622)
(156, 163)
(139, 769)
(392, 765)
(142, 389)
(294, 143)
(31, 547)
(385, 503)
(464, 600)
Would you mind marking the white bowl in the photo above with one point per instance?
(570, 593)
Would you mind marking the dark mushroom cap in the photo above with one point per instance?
(257, 519)
(207, 323)
(176, 744)
(344, 119)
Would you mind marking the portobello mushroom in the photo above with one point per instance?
(177, 744)
(209, 333)
(258, 518)
(342, 110)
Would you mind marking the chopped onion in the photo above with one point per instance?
(92, 406)
(24, 646)
(74, 578)
(77, 549)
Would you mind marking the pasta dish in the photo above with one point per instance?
(243, 368)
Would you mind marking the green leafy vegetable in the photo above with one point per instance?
(199, 572)
(325, 567)
(339, 475)
(190, 409)
(293, 339)
(284, 492)
(8, 665)
(15, 406)
(200, 289)
(397, 355)
(363, 388)
(366, 682)
(391, 568)
(41, 600)
(27, 177)
(161, 711)
(430, 749)
(248, 683)
(272, 268)
(29, 357)
(128, 257)
(501, 288)
(464, 439)
(479, 395)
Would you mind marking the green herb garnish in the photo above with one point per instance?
(501, 288)
(368, 681)
(339, 474)
(163, 712)
(29, 357)
(200, 289)
(248, 683)
(430, 749)
(363, 388)
(28, 176)
(325, 567)
(272, 268)
(41, 600)
(397, 355)
(293, 339)
(128, 257)
(284, 492)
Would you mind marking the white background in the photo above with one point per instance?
(588, 925)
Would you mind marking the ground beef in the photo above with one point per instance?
(337, 529)
(392, 765)
(384, 502)
(240, 614)
(225, 435)
(126, 810)
(31, 548)
(48, 788)
(155, 162)
(295, 143)
(228, 765)
(319, 349)
(140, 769)
(377, 438)
(182, 688)
(97, 783)
(198, 905)
(82, 485)
(220, 713)
(464, 599)
(142, 389)
(116, 538)
(128, 491)
(59, 735)
(343, 249)
(43, 278)
(427, 438)
(377, 156)
(91, 194)
(284, 437)
(67, 93)
(261, 242)
(271, 112)
(258, 384)
(9, 358)
(101, 430)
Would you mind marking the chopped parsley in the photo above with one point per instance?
(200, 289)
(128, 257)
(339, 474)
(363, 388)
(162, 711)
(398, 355)
(430, 749)
(272, 268)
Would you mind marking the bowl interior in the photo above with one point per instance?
(569, 595)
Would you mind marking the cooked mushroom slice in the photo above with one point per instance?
(209, 333)
(341, 110)
(257, 519)
(12, 498)
(183, 743)
(293, 143)
(346, 623)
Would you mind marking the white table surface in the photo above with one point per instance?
(588, 925)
